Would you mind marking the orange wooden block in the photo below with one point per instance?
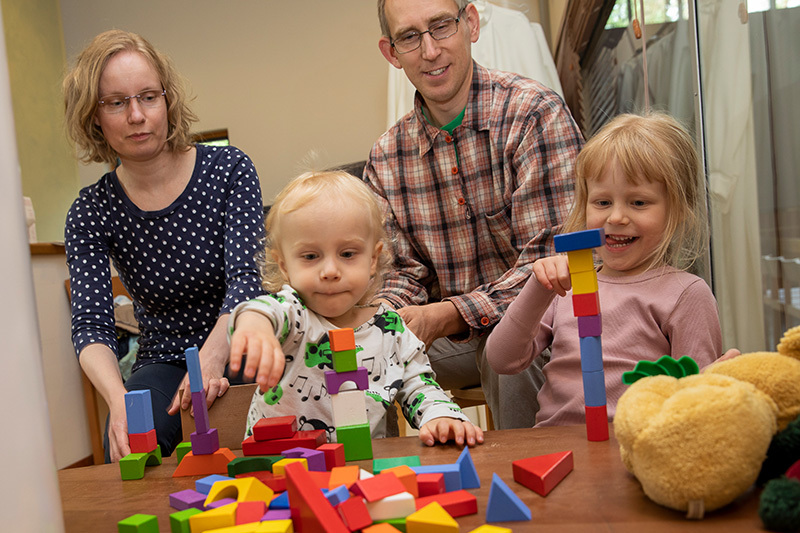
(456, 503)
(205, 465)
(343, 475)
(378, 487)
(321, 479)
(542, 473)
(381, 528)
(342, 339)
(406, 476)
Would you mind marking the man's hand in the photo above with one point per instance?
(433, 321)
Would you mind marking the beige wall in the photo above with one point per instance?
(35, 52)
(285, 77)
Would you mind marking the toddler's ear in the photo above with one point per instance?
(376, 253)
(278, 258)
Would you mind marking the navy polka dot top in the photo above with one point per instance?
(183, 265)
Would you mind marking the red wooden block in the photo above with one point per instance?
(429, 484)
(305, 439)
(276, 483)
(342, 339)
(586, 304)
(334, 454)
(250, 511)
(276, 427)
(205, 465)
(456, 503)
(378, 487)
(321, 479)
(311, 510)
(543, 472)
(354, 513)
(143, 442)
(596, 423)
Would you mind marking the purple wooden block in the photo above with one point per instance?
(205, 443)
(200, 411)
(187, 498)
(315, 459)
(220, 503)
(277, 514)
(334, 380)
(590, 326)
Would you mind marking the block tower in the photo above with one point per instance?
(349, 406)
(206, 456)
(586, 307)
(145, 450)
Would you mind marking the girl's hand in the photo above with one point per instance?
(255, 336)
(553, 273)
(444, 429)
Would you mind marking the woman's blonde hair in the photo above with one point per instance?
(650, 148)
(81, 89)
(329, 186)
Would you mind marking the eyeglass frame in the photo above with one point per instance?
(127, 99)
(456, 19)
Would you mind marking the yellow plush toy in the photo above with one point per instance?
(696, 443)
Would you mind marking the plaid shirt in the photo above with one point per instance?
(470, 212)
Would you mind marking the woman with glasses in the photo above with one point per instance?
(181, 224)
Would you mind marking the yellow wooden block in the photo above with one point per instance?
(276, 526)
(580, 260)
(279, 468)
(242, 489)
(488, 528)
(583, 282)
(431, 519)
(252, 527)
(220, 517)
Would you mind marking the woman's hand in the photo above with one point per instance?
(444, 429)
(552, 273)
(118, 444)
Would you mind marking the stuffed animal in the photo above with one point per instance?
(697, 442)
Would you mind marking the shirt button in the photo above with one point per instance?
(484, 321)
(461, 201)
(454, 170)
(448, 139)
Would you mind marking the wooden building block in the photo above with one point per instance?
(306, 439)
(583, 282)
(276, 427)
(395, 506)
(581, 260)
(314, 458)
(334, 454)
(203, 465)
(343, 475)
(456, 503)
(342, 339)
(181, 450)
(488, 528)
(406, 476)
(591, 354)
(590, 326)
(504, 505)
(378, 487)
(594, 388)
(354, 513)
(220, 517)
(466, 467)
(194, 370)
(204, 484)
(187, 499)
(542, 473)
(132, 465)
(596, 423)
(451, 472)
(432, 518)
(357, 441)
(241, 465)
(579, 240)
(345, 361)
(276, 483)
(431, 483)
(380, 528)
(311, 511)
(138, 523)
(385, 463)
(205, 443)
(349, 408)
(139, 411)
(143, 442)
(243, 489)
(334, 380)
(179, 522)
(279, 467)
(250, 511)
(585, 304)
(337, 495)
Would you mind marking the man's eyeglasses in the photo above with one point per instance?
(439, 30)
(114, 104)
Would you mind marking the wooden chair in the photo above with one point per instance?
(472, 397)
(228, 414)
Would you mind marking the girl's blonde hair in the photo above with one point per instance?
(650, 148)
(81, 89)
(328, 186)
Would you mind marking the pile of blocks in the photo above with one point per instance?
(586, 307)
(313, 490)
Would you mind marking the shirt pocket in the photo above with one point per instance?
(499, 232)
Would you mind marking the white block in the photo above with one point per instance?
(394, 506)
(349, 408)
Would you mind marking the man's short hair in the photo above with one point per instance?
(385, 24)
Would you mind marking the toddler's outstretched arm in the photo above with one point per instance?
(254, 335)
(444, 428)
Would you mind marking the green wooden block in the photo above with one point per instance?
(138, 523)
(357, 442)
(182, 449)
(397, 523)
(179, 522)
(379, 465)
(345, 361)
(132, 465)
(260, 463)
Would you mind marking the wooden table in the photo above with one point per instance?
(598, 495)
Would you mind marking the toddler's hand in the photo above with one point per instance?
(553, 273)
(444, 429)
(255, 336)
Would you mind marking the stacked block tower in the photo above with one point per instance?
(145, 450)
(349, 406)
(586, 307)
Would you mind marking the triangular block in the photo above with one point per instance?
(504, 505)
(431, 519)
(542, 473)
(469, 475)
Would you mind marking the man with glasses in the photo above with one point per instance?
(475, 181)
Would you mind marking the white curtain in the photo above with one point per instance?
(728, 106)
(508, 41)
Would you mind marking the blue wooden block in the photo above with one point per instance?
(591, 354)
(280, 502)
(594, 388)
(590, 326)
(452, 474)
(203, 485)
(337, 495)
(579, 240)
(504, 505)
(469, 475)
(193, 369)
(139, 411)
